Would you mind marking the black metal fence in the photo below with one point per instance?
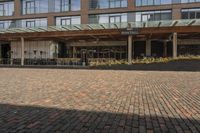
(43, 62)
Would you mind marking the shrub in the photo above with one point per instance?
(145, 60)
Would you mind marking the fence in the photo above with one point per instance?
(42, 62)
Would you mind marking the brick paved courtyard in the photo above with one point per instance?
(45, 100)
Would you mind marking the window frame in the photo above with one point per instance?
(30, 9)
(115, 16)
(3, 25)
(65, 20)
(3, 10)
(64, 3)
(31, 22)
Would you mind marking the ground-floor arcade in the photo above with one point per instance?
(47, 52)
(80, 46)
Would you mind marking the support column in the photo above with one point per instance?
(165, 49)
(175, 45)
(74, 52)
(51, 20)
(148, 47)
(176, 13)
(131, 4)
(17, 7)
(22, 51)
(130, 40)
(84, 11)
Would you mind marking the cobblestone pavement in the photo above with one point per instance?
(45, 100)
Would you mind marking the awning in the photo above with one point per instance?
(82, 27)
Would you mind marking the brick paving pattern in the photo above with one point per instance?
(92, 101)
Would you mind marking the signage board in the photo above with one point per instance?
(130, 32)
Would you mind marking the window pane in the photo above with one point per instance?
(192, 15)
(68, 20)
(185, 15)
(198, 15)
(75, 5)
(108, 18)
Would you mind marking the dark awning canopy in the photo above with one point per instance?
(82, 27)
(139, 30)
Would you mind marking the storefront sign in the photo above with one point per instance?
(130, 32)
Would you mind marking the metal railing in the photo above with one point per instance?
(43, 62)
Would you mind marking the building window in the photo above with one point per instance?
(108, 18)
(101, 4)
(152, 2)
(191, 13)
(67, 5)
(161, 2)
(1, 10)
(30, 24)
(115, 3)
(153, 15)
(35, 6)
(115, 19)
(6, 24)
(72, 20)
(189, 1)
(6, 8)
(30, 7)
(66, 21)
(1, 25)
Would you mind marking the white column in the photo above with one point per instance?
(130, 40)
(22, 51)
(174, 45)
(74, 52)
(148, 47)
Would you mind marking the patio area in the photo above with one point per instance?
(65, 100)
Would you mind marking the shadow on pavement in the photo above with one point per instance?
(181, 65)
(41, 119)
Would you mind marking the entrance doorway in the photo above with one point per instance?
(62, 50)
(139, 49)
(157, 48)
(5, 51)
